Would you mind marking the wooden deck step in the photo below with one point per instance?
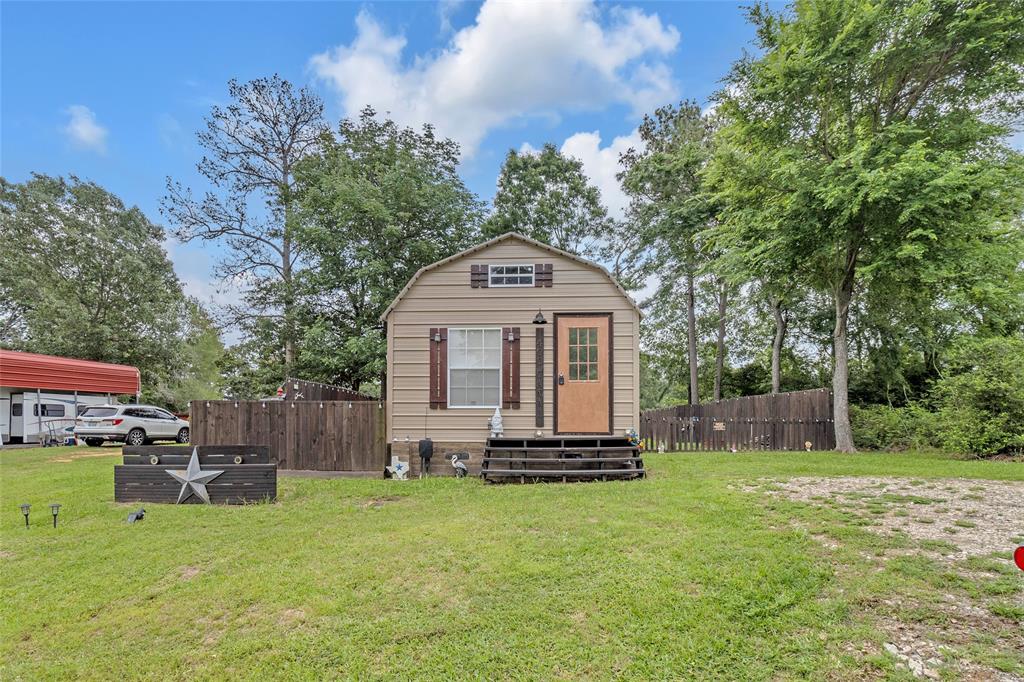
(563, 460)
(530, 473)
(571, 458)
(612, 448)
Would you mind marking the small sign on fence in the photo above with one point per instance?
(718, 426)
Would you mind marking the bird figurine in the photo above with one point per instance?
(460, 467)
(137, 515)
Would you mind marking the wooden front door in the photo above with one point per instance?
(583, 373)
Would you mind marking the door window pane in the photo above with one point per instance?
(583, 362)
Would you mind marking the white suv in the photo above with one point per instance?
(131, 424)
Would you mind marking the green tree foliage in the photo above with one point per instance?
(980, 397)
(669, 208)
(377, 203)
(84, 276)
(197, 374)
(864, 146)
(547, 196)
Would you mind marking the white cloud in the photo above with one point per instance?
(83, 130)
(601, 164)
(518, 59)
(171, 132)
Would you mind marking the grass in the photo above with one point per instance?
(683, 575)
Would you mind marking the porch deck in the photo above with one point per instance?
(569, 458)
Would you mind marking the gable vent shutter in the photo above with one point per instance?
(542, 274)
(510, 338)
(479, 276)
(438, 368)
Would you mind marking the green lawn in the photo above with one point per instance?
(683, 575)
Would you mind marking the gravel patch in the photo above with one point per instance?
(976, 517)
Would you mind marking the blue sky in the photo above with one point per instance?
(114, 92)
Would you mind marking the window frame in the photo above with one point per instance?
(42, 410)
(491, 275)
(500, 368)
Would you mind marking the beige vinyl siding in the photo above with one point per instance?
(442, 297)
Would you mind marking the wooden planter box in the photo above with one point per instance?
(138, 479)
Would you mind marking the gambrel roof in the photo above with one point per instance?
(498, 240)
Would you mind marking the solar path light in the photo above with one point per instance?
(24, 510)
(54, 509)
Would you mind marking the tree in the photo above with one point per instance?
(84, 276)
(669, 207)
(253, 146)
(377, 203)
(196, 375)
(547, 196)
(871, 132)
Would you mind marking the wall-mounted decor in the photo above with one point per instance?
(210, 474)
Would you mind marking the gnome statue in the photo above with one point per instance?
(496, 427)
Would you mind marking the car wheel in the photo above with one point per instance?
(94, 442)
(136, 437)
(183, 435)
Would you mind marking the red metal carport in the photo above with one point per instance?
(49, 372)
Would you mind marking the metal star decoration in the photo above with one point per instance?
(193, 479)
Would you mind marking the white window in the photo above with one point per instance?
(474, 367)
(511, 275)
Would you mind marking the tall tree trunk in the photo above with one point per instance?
(720, 347)
(691, 336)
(288, 303)
(841, 368)
(777, 344)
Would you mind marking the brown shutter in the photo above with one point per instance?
(510, 337)
(542, 274)
(438, 368)
(479, 276)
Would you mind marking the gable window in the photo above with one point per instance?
(511, 275)
(474, 367)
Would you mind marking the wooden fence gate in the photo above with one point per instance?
(329, 435)
(781, 421)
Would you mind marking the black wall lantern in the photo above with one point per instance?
(539, 318)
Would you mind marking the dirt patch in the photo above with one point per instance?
(291, 616)
(86, 455)
(963, 517)
(378, 502)
(6, 555)
(189, 572)
(959, 522)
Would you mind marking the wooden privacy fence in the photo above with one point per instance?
(781, 421)
(329, 435)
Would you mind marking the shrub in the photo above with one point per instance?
(980, 398)
(880, 427)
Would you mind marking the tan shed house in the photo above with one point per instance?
(546, 336)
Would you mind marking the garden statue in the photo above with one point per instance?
(496, 424)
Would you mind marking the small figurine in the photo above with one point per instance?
(496, 424)
(399, 470)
